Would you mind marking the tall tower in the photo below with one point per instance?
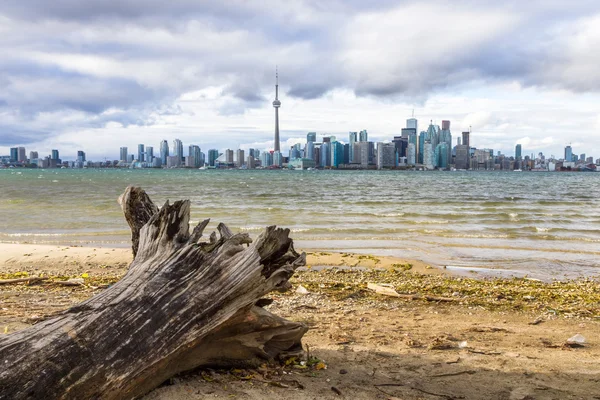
(276, 105)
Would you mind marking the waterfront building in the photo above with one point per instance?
(581, 156)
(250, 164)
(361, 154)
(33, 155)
(337, 154)
(568, 154)
(277, 159)
(302, 163)
(14, 154)
(428, 155)
(140, 153)
(311, 137)
(178, 149)
(422, 139)
(346, 153)
(213, 154)
(55, 155)
(123, 154)
(276, 105)
(462, 157)
(131, 157)
(196, 155)
(400, 145)
(296, 151)
(21, 156)
(441, 155)
(518, 152)
(239, 158)
(164, 151)
(149, 154)
(325, 153)
(266, 159)
(81, 156)
(228, 156)
(309, 150)
(386, 155)
(411, 154)
(352, 138)
(317, 154)
(173, 161)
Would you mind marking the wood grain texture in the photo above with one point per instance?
(183, 304)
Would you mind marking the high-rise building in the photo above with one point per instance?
(465, 139)
(250, 164)
(581, 156)
(55, 155)
(239, 158)
(123, 154)
(149, 154)
(568, 154)
(411, 154)
(413, 124)
(363, 136)
(196, 155)
(140, 153)
(277, 159)
(213, 154)
(81, 156)
(361, 154)
(276, 105)
(266, 159)
(337, 154)
(428, 155)
(309, 150)
(33, 155)
(21, 156)
(386, 155)
(14, 154)
(164, 151)
(441, 155)
(445, 125)
(400, 144)
(311, 137)
(178, 149)
(326, 154)
(518, 152)
(352, 138)
(229, 156)
(462, 157)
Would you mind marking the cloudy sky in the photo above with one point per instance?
(96, 75)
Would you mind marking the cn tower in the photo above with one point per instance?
(276, 105)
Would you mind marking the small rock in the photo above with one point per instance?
(576, 341)
(336, 390)
(463, 345)
(513, 355)
(343, 372)
(301, 290)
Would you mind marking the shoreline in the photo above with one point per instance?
(496, 338)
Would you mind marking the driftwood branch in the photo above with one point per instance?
(183, 304)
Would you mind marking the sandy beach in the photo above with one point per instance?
(500, 339)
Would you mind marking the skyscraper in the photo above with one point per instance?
(412, 123)
(276, 105)
(465, 139)
(164, 151)
(149, 154)
(568, 154)
(239, 158)
(363, 136)
(178, 149)
(55, 155)
(194, 158)
(353, 138)
(140, 154)
(213, 154)
(445, 125)
(21, 155)
(123, 154)
(14, 154)
(81, 156)
(311, 137)
(518, 152)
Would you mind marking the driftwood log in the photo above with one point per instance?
(184, 303)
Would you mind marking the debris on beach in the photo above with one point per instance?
(302, 290)
(576, 341)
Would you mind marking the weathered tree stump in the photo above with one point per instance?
(184, 303)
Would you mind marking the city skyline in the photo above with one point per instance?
(89, 77)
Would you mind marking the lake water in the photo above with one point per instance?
(537, 224)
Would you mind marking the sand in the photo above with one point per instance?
(374, 347)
